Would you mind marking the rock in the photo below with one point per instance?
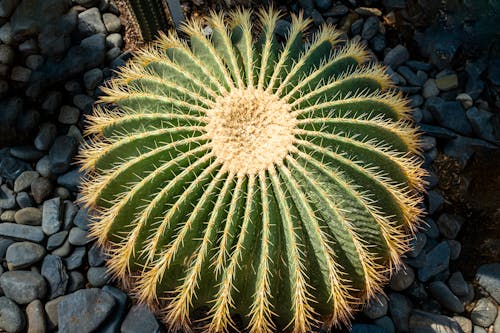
(447, 81)
(484, 313)
(356, 27)
(54, 271)
(455, 248)
(365, 328)
(458, 285)
(400, 309)
(96, 256)
(98, 276)
(83, 102)
(464, 323)
(23, 254)
(51, 219)
(7, 198)
(52, 101)
(430, 88)
(70, 210)
(449, 225)
(450, 115)
(494, 72)
(139, 319)
(78, 236)
(86, 3)
(23, 286)
(435, 201)
(24, 180)
(22, 232)
(462, 148)
(395, 57)
(28, 216)
(51, 311)
(56, 240)
(6, 33)
(445, 297)
(33, 61)
(4, 245)
(31, 15)
(111, 22)
(6, 54)
(70, 180)
(55, 38)
(27, 153)
(114, 321)
(36, 317)
(402, 278)
(386, 323)
(76, 281)
(376, 307)
(488, 277)
(436, 261)
(61, 153)
(370, 27)
(496, 325)
(8, 216)
(63, 250)
(90, 22)
(11, 168)
(113, 40)
(84, 310)
(43, 167)
(410, 77)
(93, 77)
(390, 4)
(41, 188)
(75, 259)
(7, 7)
(465, 100)
(337, 10)
(482, 123)
(68, 115)
(20, 74)
(11, 317)
(425, 322)
(112, 54)
(23, 200)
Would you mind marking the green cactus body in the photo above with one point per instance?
(274, 182)
(150, 16)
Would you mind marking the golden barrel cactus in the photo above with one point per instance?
(272, 181)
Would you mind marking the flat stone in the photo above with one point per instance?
(8, 216)
(23, 254)
(26, 152)
(430, 88)
(68, 115)
(29, 216)
(43, 167)
(63, 250)
(23, 286)
(31, 15)
(93, 77)
(61, 153)
(24, 200)
(54, 271)
(395, 57)
(4, 245)
(51, 311)
(78, 236)
(7, 197)
(90, 22)
(24, 180)
(11, 168)
(449, 225)
(455, 248)
(41, 188)
(81, 219)
(36, 317)
(98, 276)
(11, 317)
(484, 313)
(70, 180)
(20, 74)
(56, 240)
(425, 322)
(436, 261)
(435, 201)
(447, 82)
(96, 256)
(113, 323)
(111, 22)
(445, 297)
(51, 218)
(84, 310)
(76, 281)
(488, 277)
(70, 210)
(402, 278)
(22, 232)
(400, 309)
(376, 307)
(113, 40)
(450, 115)
(458, 284)
(370, 27)
(75, 259)
(139, 319)
(482, 123)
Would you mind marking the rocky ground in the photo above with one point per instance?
(54, 55)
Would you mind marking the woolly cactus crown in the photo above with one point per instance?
(272, 181)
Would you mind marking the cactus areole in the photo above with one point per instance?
(256, 183)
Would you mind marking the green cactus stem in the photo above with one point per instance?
(274, 182)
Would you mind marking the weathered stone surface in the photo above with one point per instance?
(23, 286)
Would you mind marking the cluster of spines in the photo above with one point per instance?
(162, 98)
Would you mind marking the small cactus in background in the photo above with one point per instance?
(150, 15)
(274, 182)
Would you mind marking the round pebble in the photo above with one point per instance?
(484, 313)
(11, 317)
(24, 254)
(28, 216)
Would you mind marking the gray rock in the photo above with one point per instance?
(484, 313)
(52, 101)
(56, 240)
(83, 102)
(70, 210)
(462, 148)
(482, 123)
(465, 100)
(114, 321)
(337, 10)
(23, 286)
(478, 329)
(425, 322)
(70, 180)
(376, 307)
(90, 22)
(41, 188)
(6, 54)
(395, 57)
(436, 261)
(7, 7)
(23, 254)
(465, 323)
(445, 297)
(8, 216)
(24, 200)
(36, 317)
(96, 256)
(449, 225)
(496, 325)
(27, 153)
(20, 74)
(430, 88)
(93, 77)
(86, 3)
(386, 323)
(455, 248)
(11, 317)
(435, 201)
(4, 245)
(63, 250)
(84, 310)
(33, 61)
(55, 38)
(76, 281)
(113, 53)
(29, 216)
(61, 153)
(43, 166)
(98, 276)
(78, 236)
(6, 33)
(400, 309)
(450, 115)
(417, 243)
(82, 219)
(494, 72)
(51, 311)
(112, 40)
(54, 271)
(51, 218)
(7, 197)
(402, 278)
(410, 76)
(356, 27)
(22, 232)
(75, 259)
(458, 285)
(370, 27)
(139, 319)
(11, 168)
(31, 15)
(68, 115)
(111, 22)
(366, 328)
(488, 277)
(24, 180)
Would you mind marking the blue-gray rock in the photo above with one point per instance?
(51, 218)
(4, 245)
(462, 148)
(437, 132)
(400, 308)
(63, 250)
(482, 123)
(377, 43)
(366, 328)
(436, 261)
(36, 317)
(474, 86)
(92, 78)
(323, 4)
(386, 323)
(435, 201)
(417, 243)
(43, 166)
(24, 180)
(83, 102)
(425, 322)
(68, 115)
(356, 27)
(7, 197)
(113, 24)
(140, 319)
(478, 329)
(98, 276)
(90, 22)
(458, 285)
(450, 115)
(23, 286)
(402, 278)
(419, 65)
(11, 317)
(455, 248)
(488, 277)
(337, 10)
(70, 180)
(55, 38)
(81, 219)
(78, 236)
(51, 311)
(75, 259)
(449, 225)
(52, 101)
(84, 310)
(76, 281)
(494, 72)
(390, 4)
(54, 271)
(430, 228)
(26, 153)
(31, 15)
(410, 76)
(22, 232)
(41, 188)
(440, 291)
(113, 323)
(11, 168)
(56, 240)
(23, 254)
(7, 7)
(370, 27)
(376, 307)
(70, 210)
(432, 179)
(61, 152)
(395, 57)
(96, 256)
(416, 100)
(484, 312)
(24, 200)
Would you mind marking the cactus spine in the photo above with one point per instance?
(274, 182)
